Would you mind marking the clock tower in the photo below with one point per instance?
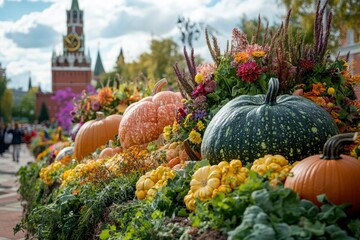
(72, 68)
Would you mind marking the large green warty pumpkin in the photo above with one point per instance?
(248, 127)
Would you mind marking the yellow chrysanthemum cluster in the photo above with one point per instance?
(47, 173)
(276, 166)
(208, 181)
(195, 137)
(89, 172)
(42, 154)
(148, 184)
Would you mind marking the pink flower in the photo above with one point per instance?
(249, 71)
(210, 86)
(206, 69)
(199, 90)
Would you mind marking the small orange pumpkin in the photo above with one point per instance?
(109, 152)
(174, 162)
(145, 120)
(338, 176)
(95, 133)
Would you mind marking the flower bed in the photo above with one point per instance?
(158, 191)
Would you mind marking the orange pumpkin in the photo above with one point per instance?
(109, 152)
(145, 120)
(173, 162)
(338, 176)
(95, 133)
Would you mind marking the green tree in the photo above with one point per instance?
(346, 15)
(153, 66)
(2, 91)
(26, 107)
(44, 114)
(6, 105)
(251, 26)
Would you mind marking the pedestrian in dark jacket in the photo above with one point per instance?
(16, 141)
(7, 144)
(2, 143)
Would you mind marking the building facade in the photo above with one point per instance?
(72, 67)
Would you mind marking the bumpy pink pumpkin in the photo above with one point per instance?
(145, 120)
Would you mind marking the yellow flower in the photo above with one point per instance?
(167, 129)
(331, 91)
(105, 96)
(167, 132)
(240, 57)
(199, 78)
(167, 136)
(175, 127)
(258, 54)
(187, 119)
(200, 125)
(195, 137)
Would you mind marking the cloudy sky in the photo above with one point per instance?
(31, 29)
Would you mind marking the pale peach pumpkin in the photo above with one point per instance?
(145, 120)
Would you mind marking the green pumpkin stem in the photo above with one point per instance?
(333, 146)
(100, 116)
(272, 92)
(158, 86)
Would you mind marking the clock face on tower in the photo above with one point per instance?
(72, 42)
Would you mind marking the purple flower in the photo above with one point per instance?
(199, 114)
(95, 105)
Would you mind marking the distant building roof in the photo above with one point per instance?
(99, 67)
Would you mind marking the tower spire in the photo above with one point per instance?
(121, 59)
(75, 5)
(99, 67)
(30, 84)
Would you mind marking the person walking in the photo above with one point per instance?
(5, 131)
(2, 143)
(16, 141)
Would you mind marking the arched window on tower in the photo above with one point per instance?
(75, 16)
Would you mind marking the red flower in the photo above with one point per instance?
(248, 71)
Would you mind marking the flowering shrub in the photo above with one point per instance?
(107, 100)
(246, 68)
(64, 98)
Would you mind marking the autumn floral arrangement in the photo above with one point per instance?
(109, 100)
(246, 67)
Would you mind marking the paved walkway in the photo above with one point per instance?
(10, 206)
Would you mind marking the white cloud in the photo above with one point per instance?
(126, 24)
(1, 3)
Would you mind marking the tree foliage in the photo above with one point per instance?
(6, 105)
(346, 15)
(44, 114)
(152, 66)
(26, 107)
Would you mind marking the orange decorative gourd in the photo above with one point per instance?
(95, 133)
(338, 176)
(145, 120)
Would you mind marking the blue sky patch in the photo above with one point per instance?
(13, 10)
